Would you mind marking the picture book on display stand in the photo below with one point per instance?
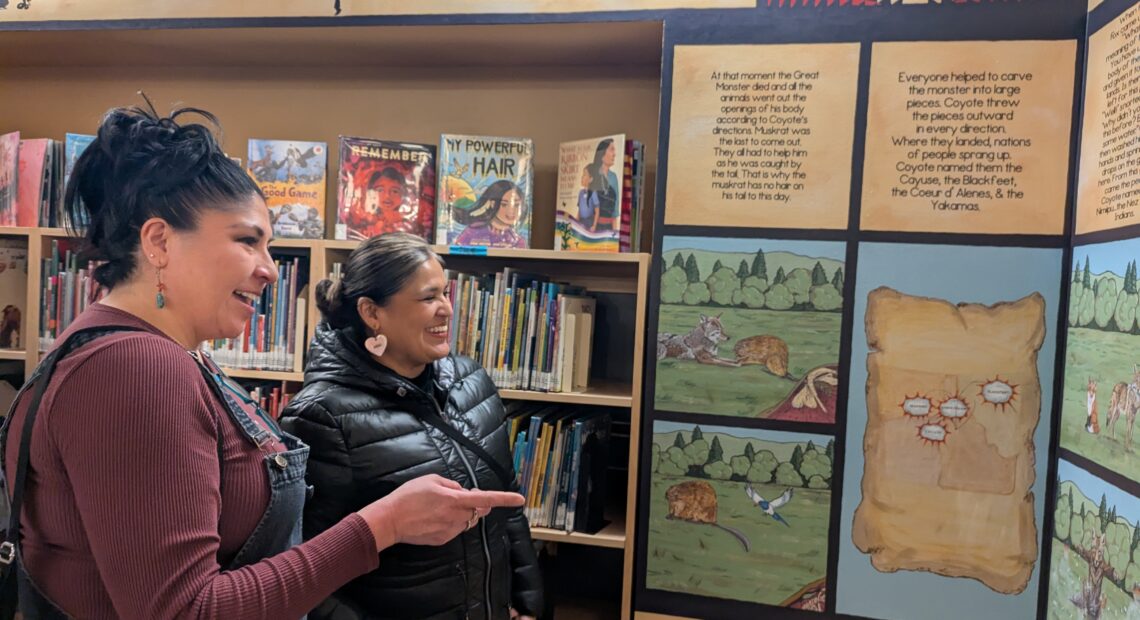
(486, 191)
(385, 186)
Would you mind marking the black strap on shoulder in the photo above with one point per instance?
(504, 476)
(40, 379)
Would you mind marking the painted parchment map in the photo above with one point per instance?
(953, 398)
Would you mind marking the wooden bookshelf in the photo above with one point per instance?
(295, 243)
(268, 375)
(527, 255)
(541, 255)
(600, 392)
(12, 354)
(17, 231)
(551, 82)
(612, 536)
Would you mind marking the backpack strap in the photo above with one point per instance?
(40, 379)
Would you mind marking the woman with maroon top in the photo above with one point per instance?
(151, 485)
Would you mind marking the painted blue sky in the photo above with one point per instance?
(764, 435)
(835, 250)
(1112, 256)
(1093, 487)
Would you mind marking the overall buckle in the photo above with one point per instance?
(7, 553)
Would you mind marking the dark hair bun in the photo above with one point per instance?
(330, 301)
(142, 166)
(169, 153)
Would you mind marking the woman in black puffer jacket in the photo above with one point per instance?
(382, 403)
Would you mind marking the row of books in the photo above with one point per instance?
(561, 454)
(68, 287)
(274, 336)
(270, 395)
(481, 193)
(528, 332)
(32, 175)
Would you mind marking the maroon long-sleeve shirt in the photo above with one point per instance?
(124, 515)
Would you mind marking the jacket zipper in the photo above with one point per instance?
(482, 523)
(463, 574)
(475, 483)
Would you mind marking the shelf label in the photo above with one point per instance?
(468, 250)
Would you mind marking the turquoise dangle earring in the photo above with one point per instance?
(160, 297)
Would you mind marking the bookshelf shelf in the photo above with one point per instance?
(534, 254)
(546, 255)
(612, 536)
(296, 243)
(269, 375)
(9, 354)
(610, 394)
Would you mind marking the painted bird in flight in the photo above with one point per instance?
(769, 507)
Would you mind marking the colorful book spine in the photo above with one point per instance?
(273, 336)
(509, 322)
(9, 177)
(68, 288)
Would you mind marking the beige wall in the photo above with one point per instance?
(547, 104)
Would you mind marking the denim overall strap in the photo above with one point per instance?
(33, 604)
(222, 387)
(280, 526)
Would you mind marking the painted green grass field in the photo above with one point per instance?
(1107, 357)
(1065, 576)
(707, 561)
(692, 387)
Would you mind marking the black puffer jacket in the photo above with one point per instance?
(367, 433)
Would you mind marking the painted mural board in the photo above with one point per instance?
(1095, 568)
(1102, 357)
(1108, 186)
(761, 135)
(971, 352)
(968, 136)
(739, 514)
(750, 328)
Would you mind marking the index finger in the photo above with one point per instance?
(490, 499)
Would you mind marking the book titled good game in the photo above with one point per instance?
(385, 186)
(291, 174)
(486, 191)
